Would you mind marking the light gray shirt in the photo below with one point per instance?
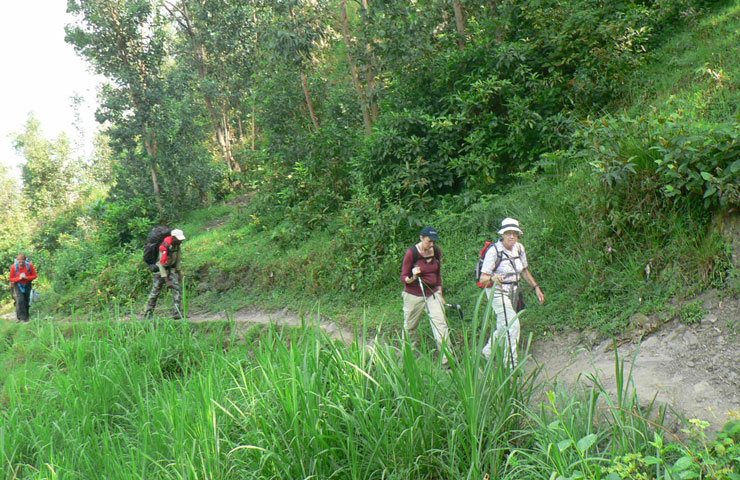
(513, 263)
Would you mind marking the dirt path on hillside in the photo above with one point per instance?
(695, 369)
(246, 319)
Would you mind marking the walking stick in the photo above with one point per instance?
(426, 306)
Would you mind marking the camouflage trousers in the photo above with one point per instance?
(157, 283)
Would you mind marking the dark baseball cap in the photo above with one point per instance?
(430, 232)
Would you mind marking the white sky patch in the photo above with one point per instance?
(40, 74)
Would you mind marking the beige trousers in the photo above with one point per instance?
(413, 308)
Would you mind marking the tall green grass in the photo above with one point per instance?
(131, 400)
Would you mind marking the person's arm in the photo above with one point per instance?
(527, 275)
(32, 273)
(162, 261)
(487, 277)
(409, 273)
(441, 291)
(13, 277)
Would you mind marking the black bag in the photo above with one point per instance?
(153, 241)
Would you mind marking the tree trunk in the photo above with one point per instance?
(361, 95)
(309, 101)
(217, 114)
(254, 99)
(254, 125)
(150, 143)
(459, 23)
(371, 92)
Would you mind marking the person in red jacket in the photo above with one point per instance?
(168, 273)
(22, 275)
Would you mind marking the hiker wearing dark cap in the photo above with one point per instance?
(422, 279)
(168, 273)
(504, 265)
(22, 275)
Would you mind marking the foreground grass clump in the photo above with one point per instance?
(175, 400)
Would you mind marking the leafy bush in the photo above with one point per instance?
(678, 161)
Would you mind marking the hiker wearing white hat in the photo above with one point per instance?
(167, 271)
(504, 265)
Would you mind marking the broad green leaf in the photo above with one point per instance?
(650, 460)
(682, 464)
(563, 445)
(586, 442)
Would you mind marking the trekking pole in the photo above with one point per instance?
(426, 306)
(508, 335)
(453, 305)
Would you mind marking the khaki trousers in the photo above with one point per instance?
(413, 308)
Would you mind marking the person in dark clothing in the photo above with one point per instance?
(22, 275)
(168, 272)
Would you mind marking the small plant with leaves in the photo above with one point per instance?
(691, 313)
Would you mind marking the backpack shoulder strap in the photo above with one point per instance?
(415, 252)
(499, 256)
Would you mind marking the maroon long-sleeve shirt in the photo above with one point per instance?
(431, 273)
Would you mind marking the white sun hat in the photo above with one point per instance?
(177, 233)
(508, 224)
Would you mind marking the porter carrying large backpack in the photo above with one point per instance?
(153, 241)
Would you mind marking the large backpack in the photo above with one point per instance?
(153, 241)
(479, 263)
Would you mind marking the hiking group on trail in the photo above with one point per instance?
(501, 267)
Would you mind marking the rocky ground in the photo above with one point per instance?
(693, 368)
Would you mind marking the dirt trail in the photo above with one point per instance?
(245, 319)
(693, 368)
